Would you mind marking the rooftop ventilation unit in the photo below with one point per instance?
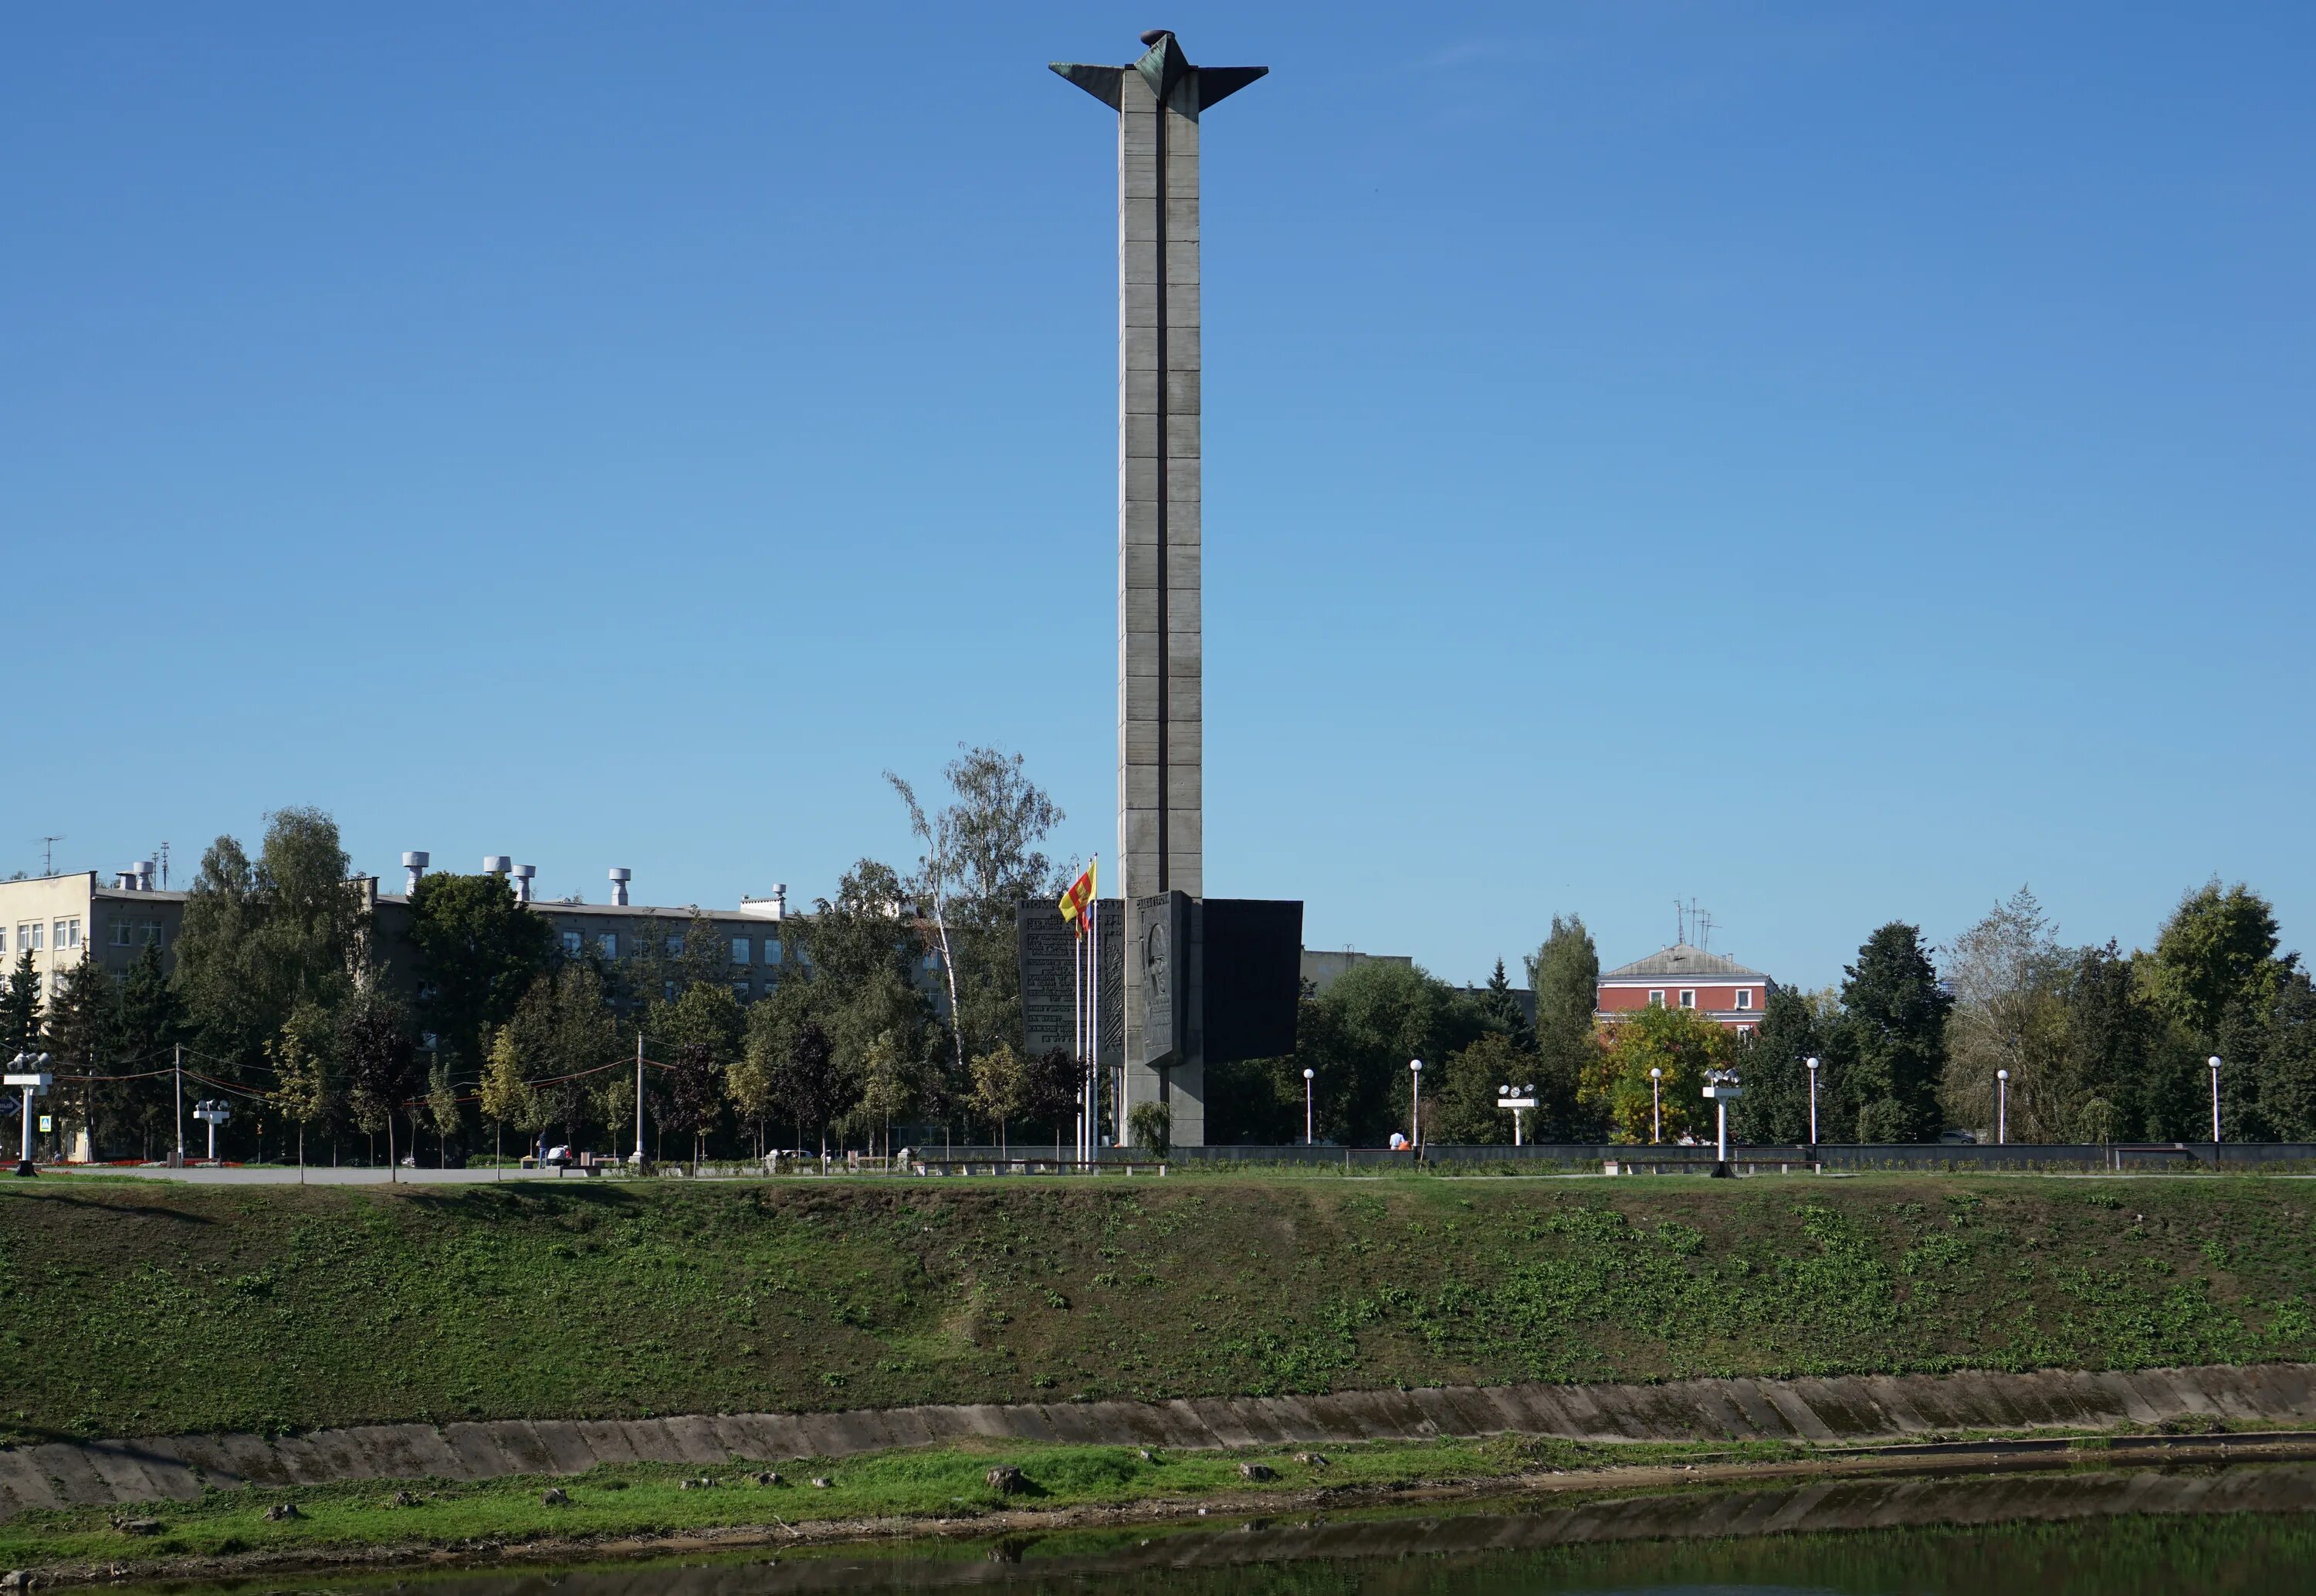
(413, 867)
(522, 875)
(497, 864)
(620, 876)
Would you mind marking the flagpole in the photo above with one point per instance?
(1077, 973)
(1093, 1053)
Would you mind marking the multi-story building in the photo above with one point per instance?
(1686, 977)
(64, 920)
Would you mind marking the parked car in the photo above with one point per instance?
(1958, 1139)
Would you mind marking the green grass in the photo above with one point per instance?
(140, 1307)
(640, 1501)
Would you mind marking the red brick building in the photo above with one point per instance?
(1686, 977)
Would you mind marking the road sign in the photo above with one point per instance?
(1516, 1102)
(39, 1083)
(46, 1124)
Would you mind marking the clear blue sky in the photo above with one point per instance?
(1835, 461)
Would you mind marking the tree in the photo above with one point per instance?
(151, 1020)
(1773, 1057)
(1000, 1087)
(19, 1008)
(380, 1061)
(1503, 1008)
(507, 1097)
(2007, 975)
(1460, 1094)
(695, 1096)
(1682, 1044)
(1358, 1036)
(561, 1032)
(1565, 975)
(2217, 952)
(306, 1090)
(1151, 1127)
(982, 858)
(82, 1023)
(222, 963)
(806, 1086)
(312, 922)
(2126, 1058)
(2216, 976)
(2287, 1092)
(1894, 1036)
(480, 950)
(1055, 1084)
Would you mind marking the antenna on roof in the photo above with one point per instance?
(49, 854)
(1704, 929)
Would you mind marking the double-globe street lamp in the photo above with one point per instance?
(30, 1073)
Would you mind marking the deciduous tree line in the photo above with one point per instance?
(2100, 1045)
(476, 1027)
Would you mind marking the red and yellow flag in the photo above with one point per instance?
(1075, 901)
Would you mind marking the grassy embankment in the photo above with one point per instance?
(129, 1307)
(651, 1501)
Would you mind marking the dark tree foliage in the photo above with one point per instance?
(151, 1021)
(808, 1089)
(1502, 1005)
(2288, 1089)
(1565, 974)
(19, 1008)
(1775, 1108)
(1057, 1078)
(82, 1025)
(1893, 1035)
(380, 1061)
(695, 1094)
(478, 951)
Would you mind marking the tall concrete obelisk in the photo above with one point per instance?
(1161, 839)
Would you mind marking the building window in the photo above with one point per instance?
(1688, 997)
(675, 947)
(1656, 997)
(932, 961)
(608, 944)
(772, 950)
(1744, 996)
(667, 990)
(739, 950)
(739, 990)
(153, 934)
(28, 937)
(68, 934)
(121, 933)
(4, 939)
(572, 943)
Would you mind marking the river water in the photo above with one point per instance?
(2247, 1528)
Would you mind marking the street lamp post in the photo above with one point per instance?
(29, 1072)
(215, 1111)
(1307, 1075)
(1813, 1069)
(1415, 1104)
(1721, 1086)
(2001, 1107)
(1656, 1105)
(2215, 1061)
(1519, 1100)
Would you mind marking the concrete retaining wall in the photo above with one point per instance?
(1845, 1408)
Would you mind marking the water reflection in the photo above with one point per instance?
(2247, 1529)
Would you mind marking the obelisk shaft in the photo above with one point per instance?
(1160, 747)
(1160, 706)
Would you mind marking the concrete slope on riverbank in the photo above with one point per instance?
(1837, 1409)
